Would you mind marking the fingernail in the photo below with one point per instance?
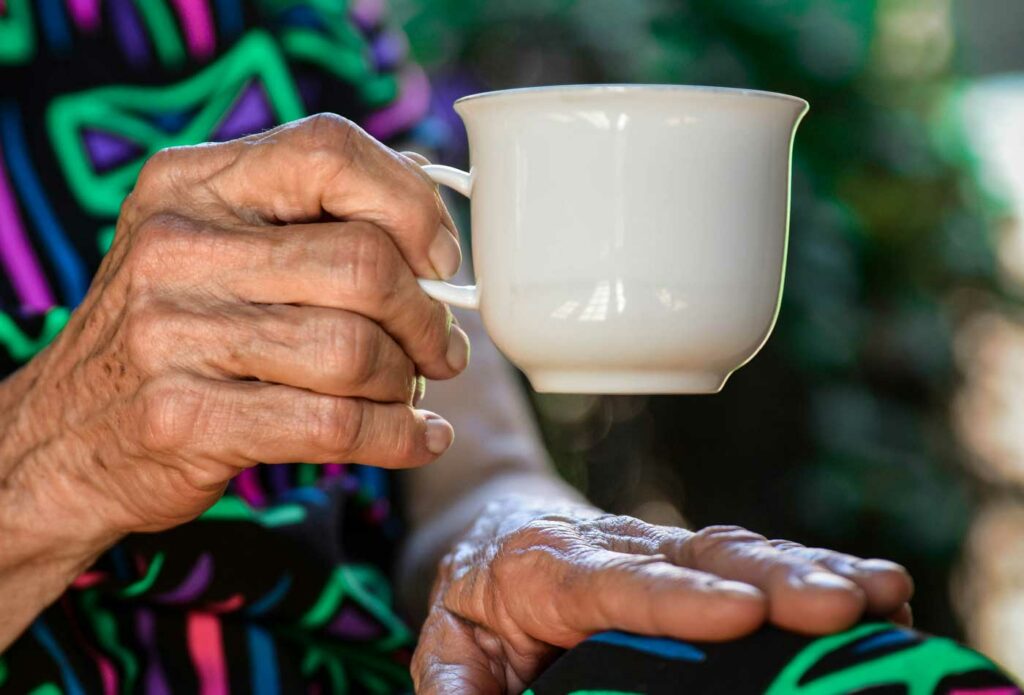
(444, 254)
(440, 434)
(731, 587)
(875, 565)
(827, 580)
(458, 349)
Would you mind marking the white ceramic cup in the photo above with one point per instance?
(626, 238)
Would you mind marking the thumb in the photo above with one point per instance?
(449, 660)
(471, 679)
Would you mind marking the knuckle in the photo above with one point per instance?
(157, 239)
(170, 412)
(713, 540)
(331, 344)
(364, 352)
(336, 425)
(421, 212)
(374, 266)
(438, 326)
(327, 140)
(157, 168)
(537, 533)
(147, 326)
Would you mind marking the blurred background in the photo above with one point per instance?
(885, 417)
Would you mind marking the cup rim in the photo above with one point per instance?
(708, 90)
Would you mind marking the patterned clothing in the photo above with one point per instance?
(281, 586)
(870, 659)
(282, 581)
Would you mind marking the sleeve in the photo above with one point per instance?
(23, 337)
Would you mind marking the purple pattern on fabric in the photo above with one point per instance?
(310, 90)
(349, 482)
(367, 13)
(412, 104)
(353, 624)
(250, 113)
(446, 88)
(130, 33)
(389, 50)
(86, 13)
(107, 150)
(248, 487)
(193, 585)
(280, 479)
(145, 628)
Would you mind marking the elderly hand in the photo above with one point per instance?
(259, 304)
(524, 584)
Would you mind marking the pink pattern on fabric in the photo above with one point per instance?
(206, 647)
(86, 13)
(228, 605)
(17, 256)
(247, 485)
(88, 579)
(198, 24)
(107, 674)
(412, 104)
(367, 13)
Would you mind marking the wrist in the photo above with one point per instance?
(45, 516)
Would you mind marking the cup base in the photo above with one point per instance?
(626, 382)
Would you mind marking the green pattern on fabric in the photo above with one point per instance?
(919, 668)
(104, 625)
(3, 670)
(316, 659)
(146, 582)
(369, 587)
(354, 582)
(47, 689)
(22, 347)
(17, 34)
(338, 47)
(123, 110)
(350, 65)
(234, 508)
(307, 474)
(105, 238)
(353, 661)
(162, 27)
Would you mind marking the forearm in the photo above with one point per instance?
(498, 454)
(42, 550)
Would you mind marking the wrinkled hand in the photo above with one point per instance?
(524, 585)
(259, 304)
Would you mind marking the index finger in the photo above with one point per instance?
(602, 589)
(803, 595)
(324, 167)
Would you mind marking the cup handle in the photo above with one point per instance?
(463, 296)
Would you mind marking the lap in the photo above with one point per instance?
(871, 658)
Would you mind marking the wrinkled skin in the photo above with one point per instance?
(524, 584)
(259, 304)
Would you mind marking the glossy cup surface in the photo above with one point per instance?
(629, 239)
